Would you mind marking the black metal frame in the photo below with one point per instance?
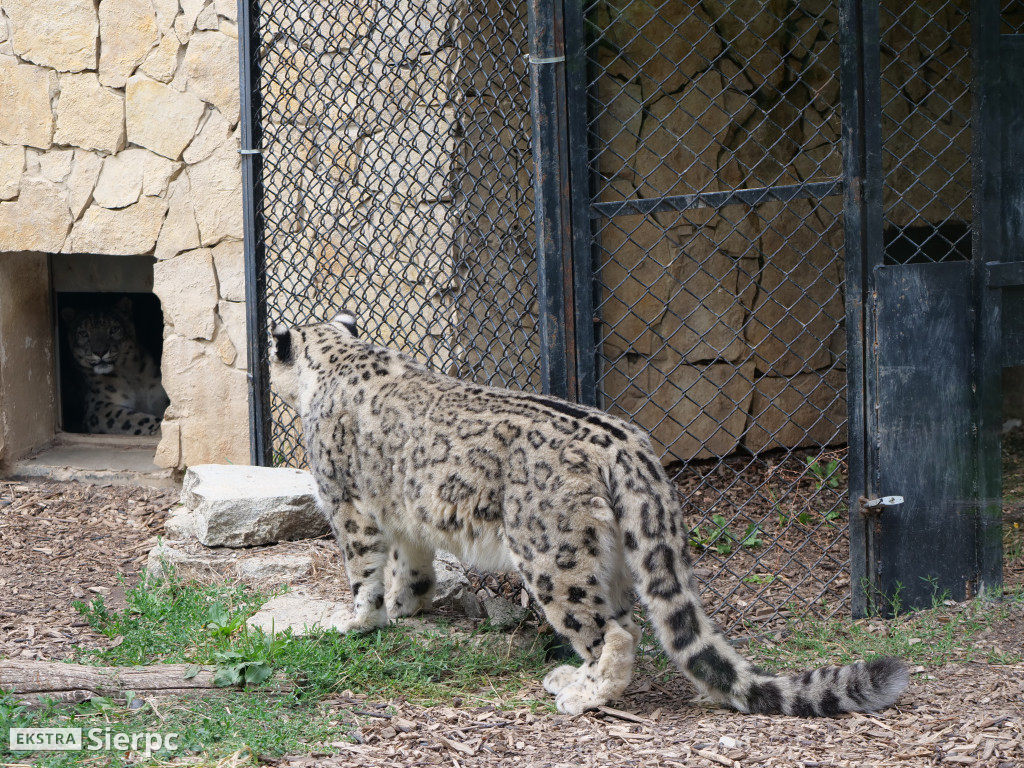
(252, 206)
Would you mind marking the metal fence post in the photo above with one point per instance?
(862, 210)
(252, 189)
(551, 196)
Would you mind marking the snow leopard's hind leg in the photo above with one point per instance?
(410, 579)
(573, 582)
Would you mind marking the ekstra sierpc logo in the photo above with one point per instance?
(72, 740)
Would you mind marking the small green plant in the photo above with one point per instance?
(826, 474)
(97, 705)
(12, 713)
(759, 578)
(751, 537)
(94, 612)
(717, 536)
(233, 668)
(834, 514)
(221, 623)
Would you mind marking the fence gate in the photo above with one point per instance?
(924, 224)
(641, 205)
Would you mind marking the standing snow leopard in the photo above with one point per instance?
(407, 460)
(118, 380)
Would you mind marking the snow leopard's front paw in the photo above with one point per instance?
(344, 621)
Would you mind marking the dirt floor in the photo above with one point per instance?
(61, 542)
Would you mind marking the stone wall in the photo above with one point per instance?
(120, 137)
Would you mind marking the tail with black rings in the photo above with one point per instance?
(655, 544)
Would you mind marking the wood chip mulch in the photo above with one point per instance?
(957, 715)
(61, 542)
(67, 542)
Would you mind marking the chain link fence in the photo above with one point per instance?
(397, 181)
(723, 313)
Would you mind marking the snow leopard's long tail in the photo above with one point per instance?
(656, 551)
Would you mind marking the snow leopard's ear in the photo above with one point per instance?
(282, 343)
(347, 320)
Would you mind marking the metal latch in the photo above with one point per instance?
(874, 507)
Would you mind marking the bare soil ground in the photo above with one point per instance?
(61, 542)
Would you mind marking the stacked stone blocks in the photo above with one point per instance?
(122, 140)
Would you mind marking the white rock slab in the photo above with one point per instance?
(240, 506)
(296, 610)
(278, 568)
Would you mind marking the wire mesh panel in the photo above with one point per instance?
(720, 264)
(396, 181)
(926, 131)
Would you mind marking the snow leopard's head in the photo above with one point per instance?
(297, 352)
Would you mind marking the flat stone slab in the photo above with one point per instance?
(189, 559)
(240, 506)
(276, 568)
(296, 610)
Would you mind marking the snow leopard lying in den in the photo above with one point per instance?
(407, 460)
(118, 380)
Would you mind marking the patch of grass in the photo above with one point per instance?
(208, 730)
(177, 622)
(171, 621)
(930, 638)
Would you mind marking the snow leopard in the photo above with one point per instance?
(118, 380)
(407, 461)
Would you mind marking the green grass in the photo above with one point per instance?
(928, 638)
(209, 730)
(178, 622)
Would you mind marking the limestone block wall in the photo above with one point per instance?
(119, 136)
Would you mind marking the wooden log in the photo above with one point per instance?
(32, 681)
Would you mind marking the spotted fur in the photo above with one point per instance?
(119, 381)
(407, 461)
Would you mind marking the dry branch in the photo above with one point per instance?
(31, 681)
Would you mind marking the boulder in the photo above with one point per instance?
(239, 506)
